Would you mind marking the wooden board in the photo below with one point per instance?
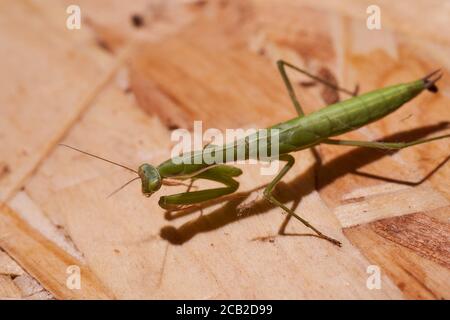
(119, 90)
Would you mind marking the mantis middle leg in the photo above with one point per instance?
(268, 195)
(287, 82)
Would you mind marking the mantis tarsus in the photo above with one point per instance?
(304, 131)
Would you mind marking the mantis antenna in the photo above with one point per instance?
(93, 155)
(123, 186)
(112, 162)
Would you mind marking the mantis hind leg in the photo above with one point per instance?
(268, 195)
(223, 174)
(287, 82)
(382, 145)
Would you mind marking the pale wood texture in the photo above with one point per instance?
(118, 90)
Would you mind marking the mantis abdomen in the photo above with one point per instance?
(345, 116)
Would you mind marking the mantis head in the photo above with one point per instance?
(151, 179)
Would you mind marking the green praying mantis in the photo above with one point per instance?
(301, 132)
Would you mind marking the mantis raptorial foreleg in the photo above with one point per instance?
(268, 195)
(221, 173)
(287, 82)
(382, 145)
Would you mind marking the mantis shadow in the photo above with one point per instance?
(301, 186)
